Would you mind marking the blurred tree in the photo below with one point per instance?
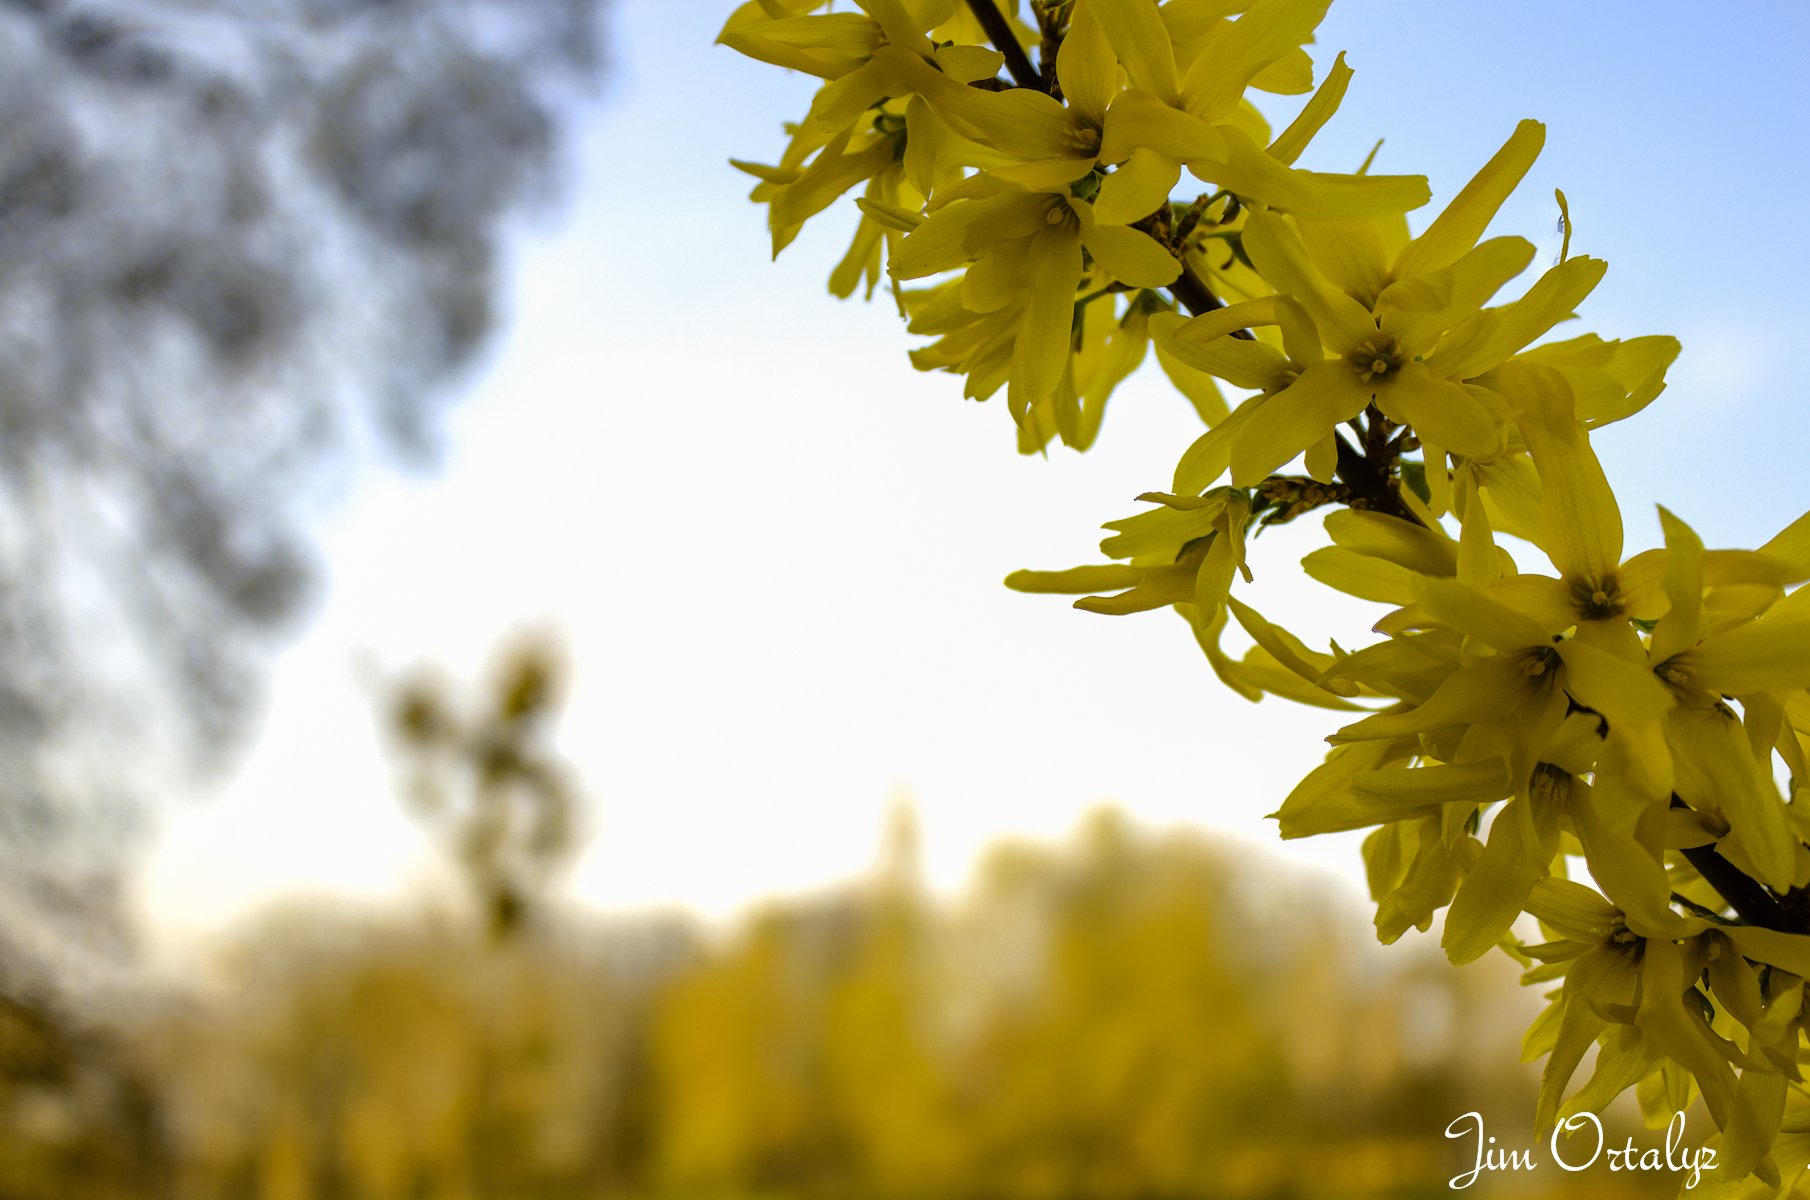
(489, 784)
(77, 1117)
(240, 243)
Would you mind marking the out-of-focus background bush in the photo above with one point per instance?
(1125, 1015)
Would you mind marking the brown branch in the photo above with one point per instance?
(1190, 290)
(1371, 482)
(1751, 902)
(999, 31)
(1192, 293)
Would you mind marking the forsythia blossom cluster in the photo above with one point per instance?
(1632, 714)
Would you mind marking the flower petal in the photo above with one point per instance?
(1042, 350)
(1141, 42)
(1076, 581)
(1457, 229)
(1324, 396)
(1086, 67)
(1284, 262)
(1552, 298)
(1768, 655)
(1580, 520)
(1439, 409)
(1351, 254)
(1233, 54)
(1680, 628)
(1138, 187)
(1205, 343)
(1288, 146)
(1493, 894)
(1129, 255)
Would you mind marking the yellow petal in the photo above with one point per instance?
(1680, 628)
(1282, 645)
(1360, 575)
(1314, 115)
(1457, 229)
(1141, 42)
(827, 45)
(1628, 871)
(830, 175)
(1205, 343)
(1510, 488)
(1573, 910)
(958, 233)
(1209, 457)
(1323, 397)
(1322, 802)
(1421, 307)
(1290, 75)
(1552, 298)
(1788, 951)
(1042, 350)
(1139, 120)
(1479, 616)
(1768, 655)
(1595, 974)
(1161, 532)
(1753, 1126)
(1077, 580)
(901, 26)
(1581, 522)
(1625, 692)
(838, 105)
(1419, 549)
(1485, 691)
(1442, 411)
(1233, 54)
(1283, 261)
(1021, 122)
(1159, 587)
(1129, 255)
(1322, 459)
(1680, 1032)
(1716, 772)
(1791, 545)
(1428, 884)
(1086, 66)
(1494, 892)
(997, 279)
(1351, 254)
(1139, 186)
(1046, 174)
(1248, 170)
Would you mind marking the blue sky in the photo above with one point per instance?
(775, 549)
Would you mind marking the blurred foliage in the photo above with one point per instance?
(1123, 1017)
(241, 245)
(486, 779)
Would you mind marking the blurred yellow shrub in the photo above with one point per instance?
(1122, 1017)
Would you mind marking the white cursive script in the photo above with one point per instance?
(1486, 1155)
(1489, 1157)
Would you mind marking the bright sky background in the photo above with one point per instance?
(775, 549)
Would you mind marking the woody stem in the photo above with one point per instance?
(1751, 902)
(999, 32)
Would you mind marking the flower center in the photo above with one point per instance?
(1597, 599)
(1376, 362)
(1539, 662)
